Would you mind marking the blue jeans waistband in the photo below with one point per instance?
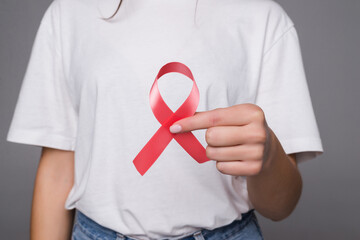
(247, 226)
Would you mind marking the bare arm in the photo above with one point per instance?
(54, 179)
(276, 190)
(242, 144)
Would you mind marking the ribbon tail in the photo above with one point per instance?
(152, 150)
(192, 146)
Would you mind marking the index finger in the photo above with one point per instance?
(230, 116)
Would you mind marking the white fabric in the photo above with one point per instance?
(86, 89)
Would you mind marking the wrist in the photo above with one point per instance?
(270, 151)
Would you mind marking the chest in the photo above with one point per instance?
(120, 59)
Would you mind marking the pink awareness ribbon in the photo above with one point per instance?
(158, 142)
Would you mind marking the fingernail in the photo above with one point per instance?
(175, 128)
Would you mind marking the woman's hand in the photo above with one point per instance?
(238, 137)
(242, 144)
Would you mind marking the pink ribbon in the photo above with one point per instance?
(158, 142)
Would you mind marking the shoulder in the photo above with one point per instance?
(266, 19)
(267, 11)
(259, 6)
(70, 8)
(69, 15)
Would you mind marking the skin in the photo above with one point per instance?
(54, 179)
(242, 144)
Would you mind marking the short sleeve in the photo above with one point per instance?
(284, 96)
(44, 114)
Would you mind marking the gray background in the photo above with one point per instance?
(329, 36)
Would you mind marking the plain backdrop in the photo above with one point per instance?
(329, 36)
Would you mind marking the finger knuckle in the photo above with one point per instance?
(255, 168)
(257, 113)
(210, 135)
(248, 105)
(259, 135)
(239, 107)
(215, 118)
(259, 152)
(210, 152)
(220, 166)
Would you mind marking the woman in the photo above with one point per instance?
(85, 101)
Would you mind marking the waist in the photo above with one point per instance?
(85, 225)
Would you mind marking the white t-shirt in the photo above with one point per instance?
(86, 89)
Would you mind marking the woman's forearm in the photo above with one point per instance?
(54, 179)
(276, 190)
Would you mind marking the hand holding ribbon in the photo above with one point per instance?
(158, 142)
(238, 137)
